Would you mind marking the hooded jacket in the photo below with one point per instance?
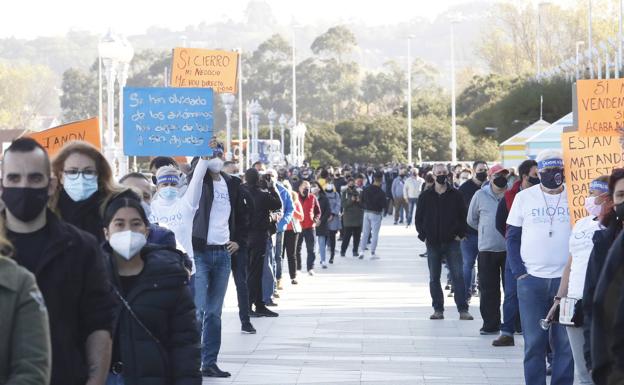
(482, 217)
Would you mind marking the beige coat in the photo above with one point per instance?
(25, 354)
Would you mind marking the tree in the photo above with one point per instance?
(80, 95)
(337, 42)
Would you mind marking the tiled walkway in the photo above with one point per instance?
(365, 322)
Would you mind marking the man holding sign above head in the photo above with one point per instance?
(538, 234)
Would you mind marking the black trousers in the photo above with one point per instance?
(240, 262)
(331, 242)
(309, 236)
(290, 246)
(356, 232)
(491, 275)
(257, 253)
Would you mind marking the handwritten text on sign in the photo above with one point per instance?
(53, 139)
(600, 107)
(205, 69)
(585, 159)
(167, 121)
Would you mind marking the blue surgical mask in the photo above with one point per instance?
(80, 189)
(168, 193)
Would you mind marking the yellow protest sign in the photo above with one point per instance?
(201, 68)
(600, 107)
(53, 139)
(585, 159)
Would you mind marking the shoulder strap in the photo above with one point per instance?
(136, 318)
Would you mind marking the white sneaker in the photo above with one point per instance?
(311, 273)
(374, 257)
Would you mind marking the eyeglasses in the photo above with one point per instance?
(87, 174)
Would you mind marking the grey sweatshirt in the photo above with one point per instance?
(482, 217)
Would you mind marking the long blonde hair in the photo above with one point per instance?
(106, 183)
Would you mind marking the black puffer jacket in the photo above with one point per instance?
(162, 301)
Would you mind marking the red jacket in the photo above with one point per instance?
(510, 194)
(311, 211)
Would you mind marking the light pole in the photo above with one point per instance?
(589, 40)
(294, 73)
(605, 49)
(272, 115)
(619, 50)
(282, 122)
(127, 53)
(240, 109)
(108, 49)
(578, 46)
(256, 110)
(409, 99)
(453, 112)
(228, 102)
(248, 116)
(293, 142)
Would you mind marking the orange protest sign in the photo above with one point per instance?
(53, 139)
(585, 159)
(201, 68)
(600, 107)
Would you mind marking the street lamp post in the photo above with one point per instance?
(240, 109)
(282, 122)
(272, 115)
(228, 102)
(409, 99)
(294, 74)
(618, 65)
(127, 53)
(293, 142)
(589, 40)
(256, 110)
(109, 52)
(578, 45)
(248, 116)
(453, 111)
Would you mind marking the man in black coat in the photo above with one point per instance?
(441, 224)
(68, 265)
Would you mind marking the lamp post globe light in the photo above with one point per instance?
(111, 51)
(228, 102)
(282, 122)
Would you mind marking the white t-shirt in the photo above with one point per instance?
(219, 224)
(178, 215)
(544, 255)
(581, 245)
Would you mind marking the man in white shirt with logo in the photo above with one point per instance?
(411, 192)
(537, 247)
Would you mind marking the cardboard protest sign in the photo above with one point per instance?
(168, 121)
(600, 107)
(203, 68)
(53, 139)
(585, 159)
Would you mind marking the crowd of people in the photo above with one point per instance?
(122, 281)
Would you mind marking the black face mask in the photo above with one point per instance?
(481, 176)
(25, 203)
(441, 179)
(305, 192)
(500, 182)
(534, 180)
(619, 211)
(552, 179)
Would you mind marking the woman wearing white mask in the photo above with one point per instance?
(156, 339)
(175, 210)
(567, 303)
(86, 182)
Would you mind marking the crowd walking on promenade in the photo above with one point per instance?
(121, 279)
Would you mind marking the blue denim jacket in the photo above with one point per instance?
(287, 208)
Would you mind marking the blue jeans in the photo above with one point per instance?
(535, 296)
(322, 243)
(469, 251)
(240, 260)
(511, 310)
(211, 282)
(412, 207)
(277, 251)
(370, 228)
(451, 253)
(268, 278)
(114, 379)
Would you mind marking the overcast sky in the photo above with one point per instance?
(31, 18)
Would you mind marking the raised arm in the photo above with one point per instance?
(194, 190)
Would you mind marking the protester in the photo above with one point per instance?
(272, 274)
(25, 347)
(411, 192)
(156, 338)
(537, 247)
(573, 278)
(265, 199)
(441, 224)
(464, 176)
(599, 337)
(81, 308)
(161, 161)
(398, 197)
(492, 255)
(322, 229)
(352, 218)
(511, 314)
(293, 229)
(268, 280)
(311, 219)
(373, 202)
(219, 227)
(470, 245)
(86, 182)
(334, 222)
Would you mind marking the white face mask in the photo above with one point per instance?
(127, 243)
(215, 165)
(591, 206)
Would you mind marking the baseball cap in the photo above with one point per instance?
(497, 169)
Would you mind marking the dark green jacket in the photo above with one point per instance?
(24, 333)
(352, 212)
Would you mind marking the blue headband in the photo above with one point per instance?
(598, 185)
(553, 162)
(168, 179)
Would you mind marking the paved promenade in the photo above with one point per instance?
(365, 322)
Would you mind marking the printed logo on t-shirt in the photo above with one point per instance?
(544, 214)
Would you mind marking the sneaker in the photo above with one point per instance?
(361, 256)
(504, 340)
(253, 314)
(247, 328)
(276, 295)
(279, 285)
(270, 303)
(423, 255)
(375, 257)
(331, 260)
(484, 332)
(214, 371)
(437, 315)
(447, 287)
(450, 294)
(343, 255)
(396, 223)
(294, 282)
(311, 273)
(465, 316)
(324, 265)
(265, 312)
